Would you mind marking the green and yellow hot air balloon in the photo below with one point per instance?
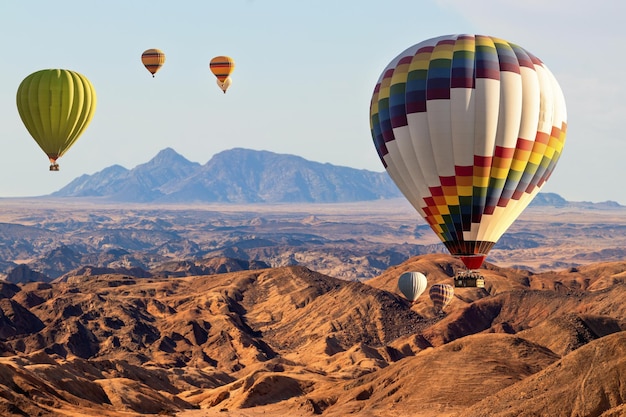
(56, 106)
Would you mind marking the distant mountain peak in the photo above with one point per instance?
(238, 175)
(168, 156)
(241, 176)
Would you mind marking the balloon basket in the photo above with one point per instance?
(54, 167)
(469, 279)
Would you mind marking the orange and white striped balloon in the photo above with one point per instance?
(153, 60)
(222, 67)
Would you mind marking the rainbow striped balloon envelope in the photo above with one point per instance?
(469, 127)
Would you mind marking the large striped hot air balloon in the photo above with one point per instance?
(222, 67)
(469, 127)
(441, 295)
(153, 59)
(412, 285)
(56, 106)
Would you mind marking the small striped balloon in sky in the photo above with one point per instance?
(222, 67)
(153, 60)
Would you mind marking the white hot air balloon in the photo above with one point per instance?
(412, 285)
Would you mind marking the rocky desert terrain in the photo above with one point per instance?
(293, 310)
(292, 341)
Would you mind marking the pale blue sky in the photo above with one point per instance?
(304, 77)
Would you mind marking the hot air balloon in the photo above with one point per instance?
(441, 295)
(469, 127)
(412, 285)
(153, 60)
(222, 67)
(56, 106)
